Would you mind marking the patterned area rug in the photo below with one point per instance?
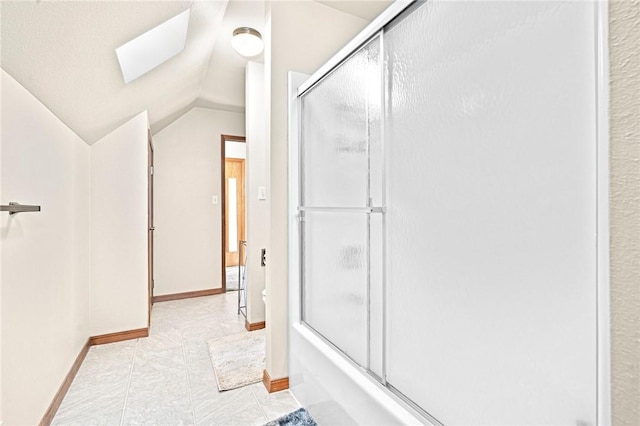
(300, 417)
(238, 360)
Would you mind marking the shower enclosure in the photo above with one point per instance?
(448, 232)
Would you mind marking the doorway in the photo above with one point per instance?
(235, 209)
(233, 168)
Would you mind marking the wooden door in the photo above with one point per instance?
(234, 175)
(150, 223)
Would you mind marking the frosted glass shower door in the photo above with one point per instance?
(341, 117)
(491, 211)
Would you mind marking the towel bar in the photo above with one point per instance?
(14, 208)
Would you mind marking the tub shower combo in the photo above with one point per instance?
(448, 219)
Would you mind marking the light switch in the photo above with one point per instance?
(262, 193)
(214, 200)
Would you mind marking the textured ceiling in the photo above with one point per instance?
(221, 83)
(365, 9)
(63, 52)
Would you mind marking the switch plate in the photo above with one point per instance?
(214, 200)
(262, 193)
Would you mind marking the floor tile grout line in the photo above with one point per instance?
(264, 413)
(186, 372)
(126, 396)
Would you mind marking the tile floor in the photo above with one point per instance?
(232, 277)
(167, 378)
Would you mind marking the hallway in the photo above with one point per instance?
(167, 378)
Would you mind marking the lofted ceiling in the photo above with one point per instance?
(365, 9)
(63, 52)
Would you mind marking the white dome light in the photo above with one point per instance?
(247, 42)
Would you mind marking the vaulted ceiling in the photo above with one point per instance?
(63, 52)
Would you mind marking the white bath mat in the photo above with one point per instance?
(238, 360)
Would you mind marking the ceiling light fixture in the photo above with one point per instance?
(247, 42)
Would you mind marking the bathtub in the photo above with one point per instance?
(336, 391)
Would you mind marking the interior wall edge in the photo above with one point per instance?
(624, 131)
(119, 251)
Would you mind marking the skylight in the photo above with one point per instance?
(159, 44)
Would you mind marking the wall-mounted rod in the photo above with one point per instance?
(371, 209)
(14, 208)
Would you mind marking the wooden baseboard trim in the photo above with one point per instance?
(187, 295)
(118, 337)
(57, 399)
(274, 385)
(254, 326)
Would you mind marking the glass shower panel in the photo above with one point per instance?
(335, 276)
(341, 127)
(340, 114)
(491, 211)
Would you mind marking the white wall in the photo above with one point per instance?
(119, 229)
(187, 249)
(257, 176)
(624, 45)
(46, 255)
(301, 36)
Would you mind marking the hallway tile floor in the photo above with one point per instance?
(167, 378)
